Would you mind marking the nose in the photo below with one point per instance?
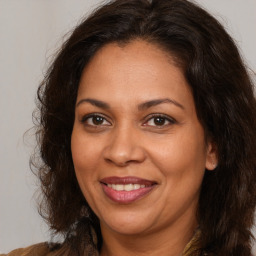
(124, 147)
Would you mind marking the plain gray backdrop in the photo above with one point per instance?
(30, 32)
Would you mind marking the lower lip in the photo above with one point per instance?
(126, 197)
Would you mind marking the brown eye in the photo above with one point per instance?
(95, 120)
(159, 121)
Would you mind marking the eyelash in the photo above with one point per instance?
(85, 119)
(165, 118)
(162, 116)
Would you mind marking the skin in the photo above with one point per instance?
(127, 141)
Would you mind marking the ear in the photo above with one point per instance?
(211, 161)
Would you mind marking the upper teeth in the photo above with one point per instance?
(126, 187)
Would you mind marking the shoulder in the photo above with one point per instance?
(41, 249)
(38, 250)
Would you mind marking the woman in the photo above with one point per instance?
(147, 136)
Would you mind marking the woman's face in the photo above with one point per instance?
(138, 148)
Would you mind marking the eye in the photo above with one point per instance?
(159, 120)
(95, 120)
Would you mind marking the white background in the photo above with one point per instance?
(30, 32)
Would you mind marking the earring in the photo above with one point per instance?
(214, 165)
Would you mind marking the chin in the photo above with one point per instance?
(127, 223)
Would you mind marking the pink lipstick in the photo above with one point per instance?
(126, 190)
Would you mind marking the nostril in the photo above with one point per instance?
(123, 150)
(118, 163)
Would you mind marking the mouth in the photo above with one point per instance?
(125, 190)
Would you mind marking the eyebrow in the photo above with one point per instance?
(152, 103)
(97, 103)
(142, 106)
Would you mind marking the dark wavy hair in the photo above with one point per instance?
(225, 104)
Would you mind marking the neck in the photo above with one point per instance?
(169, 241)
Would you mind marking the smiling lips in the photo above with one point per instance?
(126, 190)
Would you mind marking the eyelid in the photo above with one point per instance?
(171, 120)
(87, 116)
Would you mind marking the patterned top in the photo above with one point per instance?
(42, 249)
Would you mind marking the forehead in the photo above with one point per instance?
(137, 70)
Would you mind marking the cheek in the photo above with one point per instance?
(83, 150)
(179, 155)
(85, 157)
